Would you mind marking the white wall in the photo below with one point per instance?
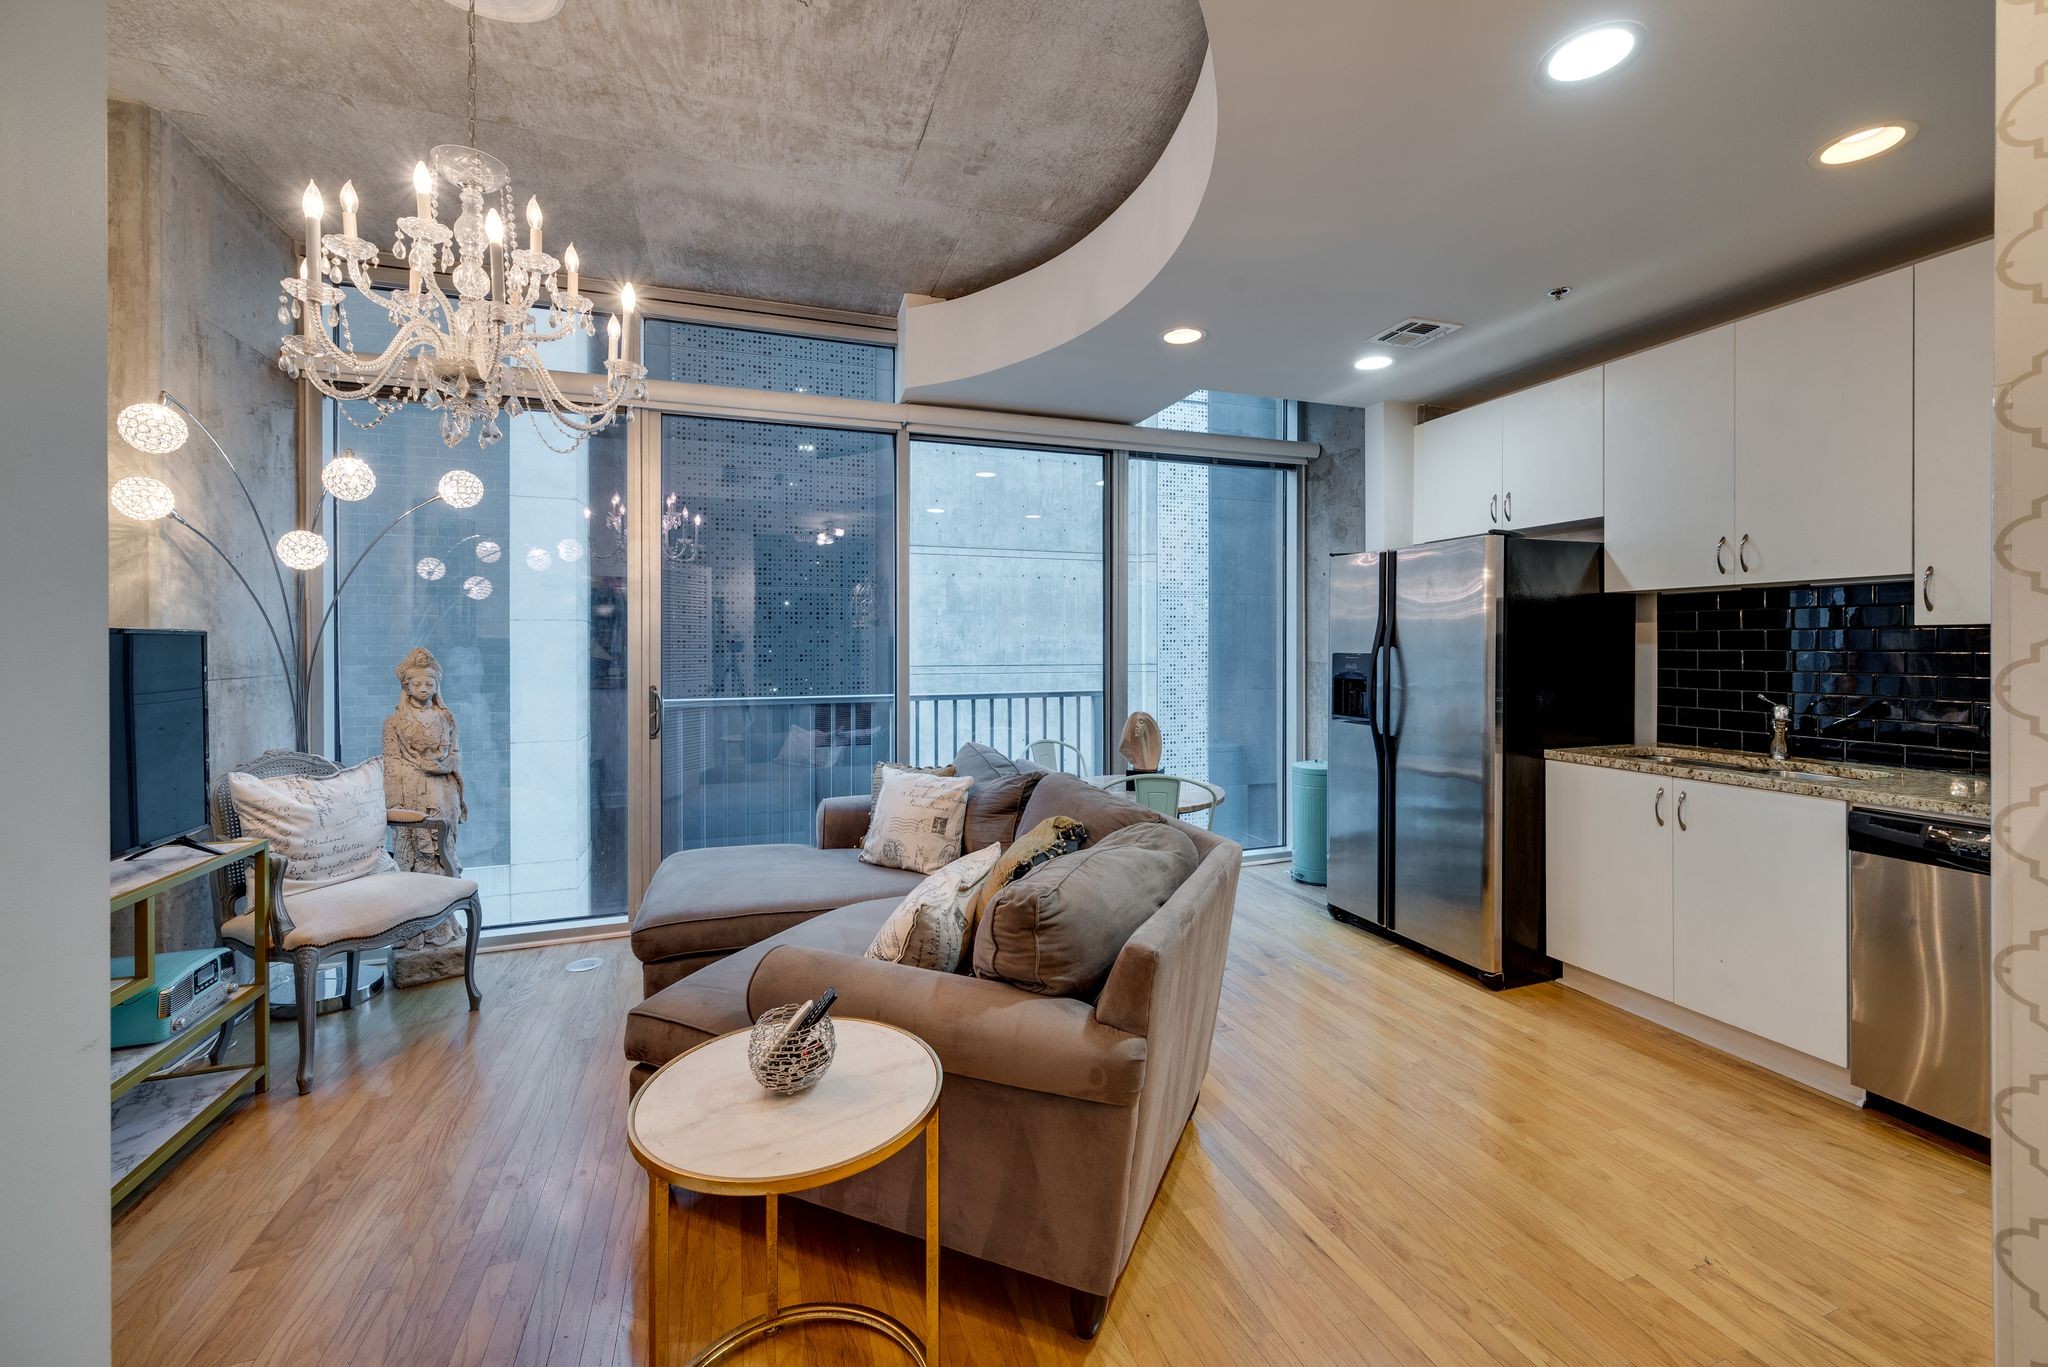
(54, 1282)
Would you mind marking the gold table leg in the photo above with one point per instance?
(931, 1237)
(657, 1265)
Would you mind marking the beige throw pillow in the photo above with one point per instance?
(326, 830)
(919, 821)
(930, 929)
(888, 767)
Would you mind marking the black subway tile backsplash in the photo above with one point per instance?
(1864, 684)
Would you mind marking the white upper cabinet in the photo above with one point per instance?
(1952, 437)
(1551, 452)
(1457, 473)
(1824, 436)
(1670, 439)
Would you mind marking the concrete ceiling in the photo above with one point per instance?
(838, 153)
(1374, 159)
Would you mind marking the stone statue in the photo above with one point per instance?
(1139, 746)
(423, 772)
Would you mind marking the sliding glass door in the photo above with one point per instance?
(1206, 638)
(1006, 603)
(774, 549)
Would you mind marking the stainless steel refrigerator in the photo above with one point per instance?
(1454, 665)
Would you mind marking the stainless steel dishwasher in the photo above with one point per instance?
(1920, 964)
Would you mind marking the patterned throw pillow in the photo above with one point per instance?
(886, 768)
(1049, 839)
(930, 929)
(919, 822)
(326, 830)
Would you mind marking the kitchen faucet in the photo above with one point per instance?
(1781, 719)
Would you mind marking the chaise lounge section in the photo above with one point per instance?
(1060, 1114)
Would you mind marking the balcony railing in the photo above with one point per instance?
(748, 771)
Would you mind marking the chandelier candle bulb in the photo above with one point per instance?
(422, 191)
(570, 263)
(533, 223)
(348, 208)
(611, 332)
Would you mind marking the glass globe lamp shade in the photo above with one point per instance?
(153, 428)
(302, 550)
(349, 477)
(568, 550)
(461, 489)
(430, 568)
(488, 552)
(142, 498)
(477, 587)
(538, 559)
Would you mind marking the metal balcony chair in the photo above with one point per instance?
(1052, 754)
(1167, 794)
(375, 911)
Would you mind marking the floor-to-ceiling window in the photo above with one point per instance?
(1206, 637)
(1006, 602)
(777, 625)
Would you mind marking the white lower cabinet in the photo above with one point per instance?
(1608, 853)
(1736, 907)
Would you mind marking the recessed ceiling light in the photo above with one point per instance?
(935, 510)
(1864, 143)
(1591, 52)
(1372, 363)
(1033, 517)
(1182, 336)
(984, 474)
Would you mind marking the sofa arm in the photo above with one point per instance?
(978, 1028)
(843, 822)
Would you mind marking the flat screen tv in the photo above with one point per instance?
(156, 694)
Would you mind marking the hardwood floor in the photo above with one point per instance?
(1388, 1165)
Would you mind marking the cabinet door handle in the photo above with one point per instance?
(1507, 506)
(1493, 510)
(1658, 807)
(1927, 588)
(1681, 811)
(1742, 553)
(1721, 555)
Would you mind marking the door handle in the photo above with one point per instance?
(1721, 555)
(1507, 506)
(1742, 553)
(653, 712)
(1493, 510)
(1681, 811)
(1658, 808)
(1927, 588)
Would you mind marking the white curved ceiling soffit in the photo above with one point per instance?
(1377, 159)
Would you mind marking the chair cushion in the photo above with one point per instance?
(1101, 812)
(358, 909)
(717, 900)
(1058, 930)
(713, 1001)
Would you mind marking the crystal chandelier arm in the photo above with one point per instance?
(561, 403)
(296, 693)
(249, 498)
(334, 599)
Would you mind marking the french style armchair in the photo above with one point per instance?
(375, 911)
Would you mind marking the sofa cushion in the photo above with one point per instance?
(1101, 812)
(993, 806)
(718, 900)
(982, 762)
(1057, 930)
(930, 928)
(888, 767)
(919, 821)
(713, 1002)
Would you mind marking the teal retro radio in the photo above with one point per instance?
(188, 985)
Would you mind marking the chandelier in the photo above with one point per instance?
(682, 531)
(474, 357)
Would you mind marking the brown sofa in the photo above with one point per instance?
(1060, 1115)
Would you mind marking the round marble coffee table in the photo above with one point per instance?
(704, 1124)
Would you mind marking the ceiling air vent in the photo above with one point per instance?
(1415, 332)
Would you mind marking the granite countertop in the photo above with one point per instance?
(1864, 785)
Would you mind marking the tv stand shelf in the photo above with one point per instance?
(158, 1112)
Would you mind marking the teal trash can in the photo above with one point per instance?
(1311, 790)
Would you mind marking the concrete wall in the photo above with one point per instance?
(54, 1281)
(192, 269)
(1334, 496)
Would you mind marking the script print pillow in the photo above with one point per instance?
(326, 830)
(919, 822)
(930, 928)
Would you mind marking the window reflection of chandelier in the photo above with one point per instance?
(476, 357)
(682, 531)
